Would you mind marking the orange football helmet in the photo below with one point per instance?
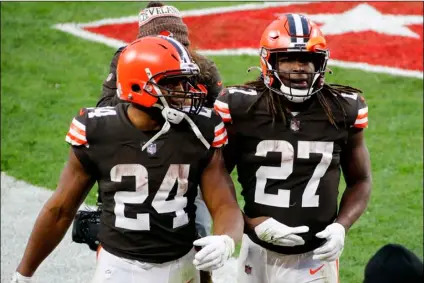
(293, 33)
(144, 63)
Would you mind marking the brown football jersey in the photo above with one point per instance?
(290, 171)
(148, 196)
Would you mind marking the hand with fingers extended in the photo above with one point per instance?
(276, 233)
(215, 251)
(333, 248)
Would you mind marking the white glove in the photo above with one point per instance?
(333, 248)
(277, 233)
(215, 251)
(19, 278)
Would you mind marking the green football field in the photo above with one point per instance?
(47, 76)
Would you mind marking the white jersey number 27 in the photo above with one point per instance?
(175, 173)
(304, 148)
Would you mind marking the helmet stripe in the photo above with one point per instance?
(298, 28)
(180, 48)
(305, 28)
(292, 27)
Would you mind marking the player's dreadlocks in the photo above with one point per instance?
(278, 111)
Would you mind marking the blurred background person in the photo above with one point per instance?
(394, 263)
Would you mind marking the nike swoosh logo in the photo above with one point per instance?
(219, 83)
(313, 271)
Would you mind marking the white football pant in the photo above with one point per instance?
(113, 269)
(256, 264)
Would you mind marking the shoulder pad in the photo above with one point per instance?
(87, 119)
(206, 112)
(356, 109)
(212, 127)
(98, 112)
(234, 101)
(242, 90)
(77, 134)
(361, 118)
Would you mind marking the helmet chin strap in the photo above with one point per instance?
(171, 115)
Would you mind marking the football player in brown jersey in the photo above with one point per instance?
(290, 136)
(158, 18)
(148, 157)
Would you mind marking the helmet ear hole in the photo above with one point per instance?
(135, 87)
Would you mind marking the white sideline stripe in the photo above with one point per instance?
(77, 30)
(376, 69)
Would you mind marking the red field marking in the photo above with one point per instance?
(396, 41)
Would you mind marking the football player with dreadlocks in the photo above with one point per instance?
(290, 136)
(148, 157)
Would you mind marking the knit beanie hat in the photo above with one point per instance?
(160, 19)
(394, 263)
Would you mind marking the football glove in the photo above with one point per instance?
(333, 248)
(86, 225)
(19, 278)
(276, 233)
(215, 251)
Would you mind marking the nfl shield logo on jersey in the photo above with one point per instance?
(294, 125)
(151, 149)
(248, 269)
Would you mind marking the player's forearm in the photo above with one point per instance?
(229, 150)
(228, 220)
(354, 202)
(251, 223)
(49, 229)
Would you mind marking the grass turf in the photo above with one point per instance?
(48, 75)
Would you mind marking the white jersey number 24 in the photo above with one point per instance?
(304, 148)
(176, 173)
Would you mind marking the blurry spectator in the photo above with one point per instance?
(394, 263)
(160, 19)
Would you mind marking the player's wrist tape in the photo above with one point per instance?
(229, 242)
(17, 277)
